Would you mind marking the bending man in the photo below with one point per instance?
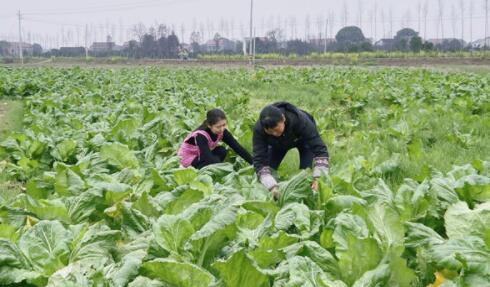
(282, 127)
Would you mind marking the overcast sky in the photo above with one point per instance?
(63, 22)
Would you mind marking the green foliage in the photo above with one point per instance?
(103, 202)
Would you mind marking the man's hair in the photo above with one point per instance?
(270, 116)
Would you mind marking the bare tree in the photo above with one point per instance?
(462, 8)
(307, 27)
(162, 31)
(407, 18)
(371, 21)
(486, 24)
(425, 12)
(232, 28)
(391, 22)
(270, 23)
(78, 36)
(139, 30)
(195, 37)
(194, 25)
(113, 31)
(326, 35)
(375, 20)
(102, 33)
(360, 11)
(441, 16)
(182, 32)
(279, 24)
(383, 22)
(63, 36)
(320, 26)
(454, 20)
(292, 25)
(419, 13)
(471, 20)
(242, 31)
(209, 28)
(221, 28)
(286, 25)
(262, 26)
(153, 32)
(121, 31)
(331, 22)
(345, 13)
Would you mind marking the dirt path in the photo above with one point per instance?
(11, 115)
(3, 116)
(3, 112)
(453, 63)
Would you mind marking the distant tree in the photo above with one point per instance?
(37, 50)
(173, 46)
(416, 44)
(53, 52)
(163, 51)
(148, 46)
(195, 40)
(451, 45)
(162, 31)
(405, 33)
(217, 39)
(239, 46)
(139, 30)
(427, 46)
(273, 37)
(195, 37)
(366, 46)
(351, 34)
(401, 45)
(132, 49)
(4, 48)
(298, 47)
(351, 39)
(403, 38)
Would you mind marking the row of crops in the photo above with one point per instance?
(104, 203)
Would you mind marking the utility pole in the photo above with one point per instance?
(471, 22)
(426, 13)
(441, 17)
(326, 36)
(20, 39)
(419, 11)
(251, 31)
(462, 8)
(486, 25)
(375, 20)
(86, 42)
(391, 22)
(253, 53)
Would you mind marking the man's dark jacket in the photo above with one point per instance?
(300, 129)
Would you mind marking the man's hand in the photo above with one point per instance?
(314, 185)
(275, 193)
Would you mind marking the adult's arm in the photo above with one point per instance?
(261, 160)
(235, 146)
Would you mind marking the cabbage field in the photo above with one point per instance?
(91, 193)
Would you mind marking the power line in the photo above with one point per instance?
(20, 39)
(107, 5)
(52, 22)
(112, 8)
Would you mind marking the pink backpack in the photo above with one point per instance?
(188, 152)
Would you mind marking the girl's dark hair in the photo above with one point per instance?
(270, 116)
(212, 117)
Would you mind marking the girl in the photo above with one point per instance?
(200, 148)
